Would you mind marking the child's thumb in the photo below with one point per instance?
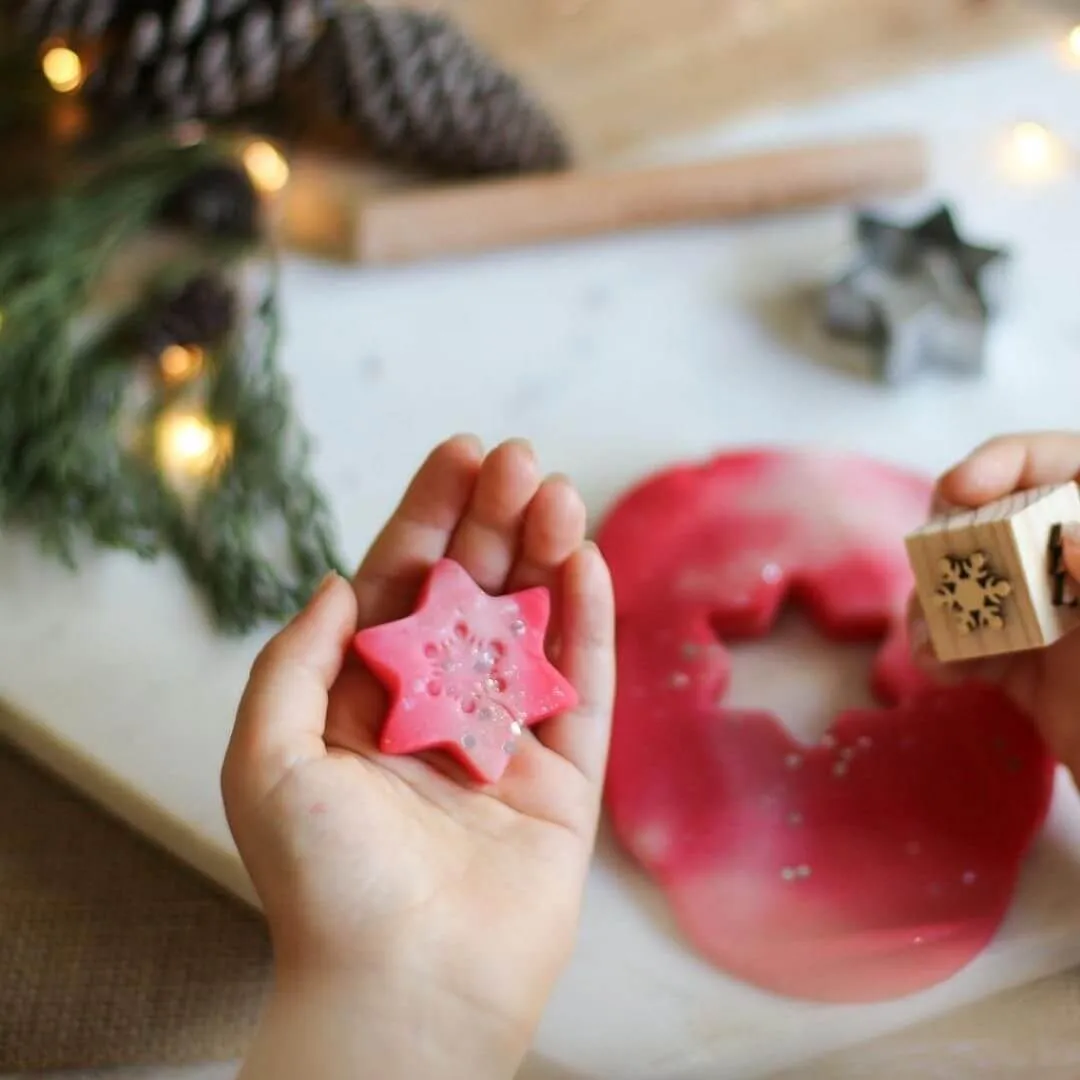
(282, 715)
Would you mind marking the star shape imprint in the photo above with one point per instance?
(467, 671)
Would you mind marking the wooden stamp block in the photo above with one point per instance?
(990, 581)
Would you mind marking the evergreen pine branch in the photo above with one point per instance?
(67, 469)
(263, 489)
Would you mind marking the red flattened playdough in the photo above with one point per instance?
(873, 864)
(467, 671)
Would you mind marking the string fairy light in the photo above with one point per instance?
(1032, 153)
(62, 68)
(1072, 44)
(181, 363)
(266, 165)
(189, 446)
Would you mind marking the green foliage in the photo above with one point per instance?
(76, 435)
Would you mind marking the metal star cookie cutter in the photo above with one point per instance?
(918, 296)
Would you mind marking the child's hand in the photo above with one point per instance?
(460, 903)
(1045, 682)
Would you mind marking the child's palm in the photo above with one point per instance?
(384, 849)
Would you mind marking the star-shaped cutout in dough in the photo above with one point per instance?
(467, 671)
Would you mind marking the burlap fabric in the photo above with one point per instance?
(110, 951)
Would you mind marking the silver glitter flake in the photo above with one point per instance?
(484, 662)
(795, 873)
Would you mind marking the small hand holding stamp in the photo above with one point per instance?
(996, 574)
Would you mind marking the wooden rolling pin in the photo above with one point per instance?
(324, 209)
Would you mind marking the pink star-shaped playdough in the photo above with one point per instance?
(467, 671)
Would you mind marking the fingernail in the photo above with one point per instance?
(1070, 531)
(470, 438)
(324, 586)
(919, 636)
(523, 444)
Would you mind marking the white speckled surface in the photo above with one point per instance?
(614, 357)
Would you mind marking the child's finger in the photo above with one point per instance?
(918, 631)
(418, 532)
(587, 659)
(554, 529)
(1011, 463)
(282, 714)
(486, 541)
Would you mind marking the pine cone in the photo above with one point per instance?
(68, 19)
(200, 313)
(217, 201)
(421, 93)
(182, 59)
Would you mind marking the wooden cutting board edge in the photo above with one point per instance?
(698, 71)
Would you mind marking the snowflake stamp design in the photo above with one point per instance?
(962, 596)
(972, 592)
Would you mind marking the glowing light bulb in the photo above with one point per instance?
(63, 68)
(1033, 153)
(1073, 43)
(179, 363)
(189, 445)
(267, 167)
